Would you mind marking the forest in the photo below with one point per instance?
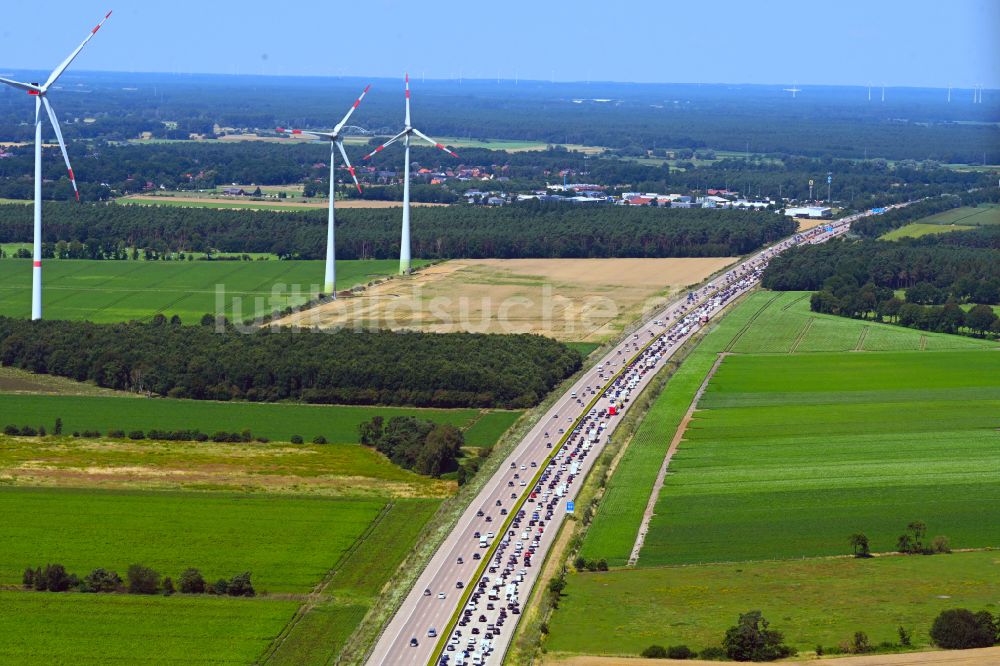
(217, 361)
(529, 229)
(822, 122)
(962, 265)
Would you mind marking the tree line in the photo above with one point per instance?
(139, 579)
(271, 364)
(529, 229)
(876, 225)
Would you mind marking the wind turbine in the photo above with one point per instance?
(408, 131)
(794, 89)
(40, 93)
(336, 142)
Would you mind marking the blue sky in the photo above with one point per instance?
(850, 42)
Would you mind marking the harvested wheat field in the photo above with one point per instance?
(585, 300)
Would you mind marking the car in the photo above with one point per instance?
(442, 595)
(432, 633)
(479, 514)
(459, 585)
(414, 642)
(476, 556)
(427, 592)
(525, 466)
(461, 561)
(475, 630)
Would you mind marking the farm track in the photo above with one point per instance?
(746, 327)
(801, 336)
(654, 495)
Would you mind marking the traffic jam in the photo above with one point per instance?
(503, 587)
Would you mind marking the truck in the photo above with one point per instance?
(593, 434)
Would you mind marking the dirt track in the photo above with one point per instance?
(276, 203)
(569, 299)
(980, 657)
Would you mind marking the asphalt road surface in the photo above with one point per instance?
(542, 474)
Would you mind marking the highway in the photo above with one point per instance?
(497, 551)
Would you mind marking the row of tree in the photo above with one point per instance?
(427, 448)
(530, 229)
(139, 579)
(953, 266)
(876, 225)
(270, 364)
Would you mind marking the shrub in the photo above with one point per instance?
(679, 652)
(168, 586)
(101, 580)
(11, 429)
(55, 578)
(240, 586)
(57, 430)
(221, 586)
(192, 582)
(39, 581)
(116, 434)
(76, 433)
(941, 544)
(142, 580)
(712, 654)
(41, 431)
(28, 578)
(319, 439)
(296, 439)
(28, 431)
(751, 640)
(655, 652)
(860, 644)
(960, 629)
(602, 565)
(819, 650)
(905, 637)
(137, 434)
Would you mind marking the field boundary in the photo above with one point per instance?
(654, 494)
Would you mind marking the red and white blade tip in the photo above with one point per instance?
(367, 88)
(98, 26)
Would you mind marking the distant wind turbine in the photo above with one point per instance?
(794, 89)
(408, 131)
(336, 142)
(40, 92)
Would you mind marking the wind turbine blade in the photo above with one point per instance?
(22, 86)
(62, 143)
(347, 161)
(297, 132)
(387, 143)
(433, 142)
(340, 125)
(57, 72)
(407, 123)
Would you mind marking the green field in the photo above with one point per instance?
(765, 322)
(814, 601)
(801, 439)
(110, 291)
(488, 428)
(788, 455)
(212, 203)
(221, 534)
(956, 219)
(42, 628)
(277, 421)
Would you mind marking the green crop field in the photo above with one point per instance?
(801, 439)
(765, 322)
(814, 601)
(790, 454)
(956, 219)
(488, 428)
(110, 291)
(221, 534)
(90, 629)
(277, 421)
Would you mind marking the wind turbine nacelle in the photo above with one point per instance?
(33, 92)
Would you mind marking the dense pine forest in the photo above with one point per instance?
(523, 230)
(267, 365)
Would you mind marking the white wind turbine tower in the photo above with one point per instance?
(408, 131)
(336, 143)
(40, 93)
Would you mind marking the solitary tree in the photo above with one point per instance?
(751, 640)
(859, 542)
